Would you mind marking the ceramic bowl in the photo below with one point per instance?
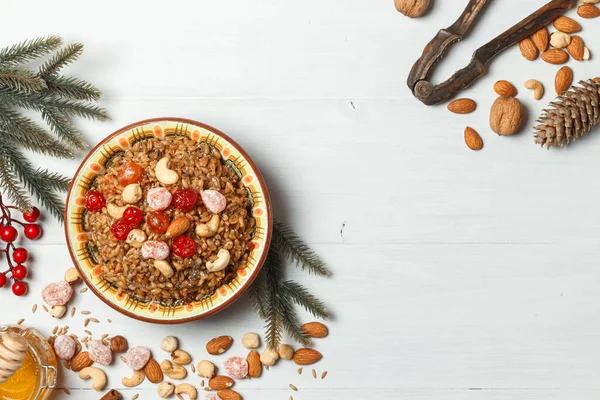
(77, 236)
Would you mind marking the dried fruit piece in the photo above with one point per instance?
(99, 352)
(129, 173)
(505, 88)
(236, 367)
(214, 201)
(563, 80)
(306, 356)
(528, 49)
(155, 249)
(64, 347)
(159, 198)
(57, 294)
(137, 357)
(462, 106)
(506, 115)
(219, 345)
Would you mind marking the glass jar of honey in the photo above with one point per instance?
(36, 378)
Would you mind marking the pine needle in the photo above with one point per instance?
(29, 50)
(291, 323)
(274, 320)
(295, 249)
(61, 125)
(303, 298)
(261, 303)
(73, 88)
(63, 57)
(21, 80)
(8, 183)
(56, 181)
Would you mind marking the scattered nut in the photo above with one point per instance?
(506, 116)
(173, 371)
(186, 388)
(166, 389)
(118, 344)
(412, 8)
(586, 54)
(206, 369)
(269, 357)
(181, 357)
(137, 378)
(560, 40)
(169, 344)
(72, 275)
(96, 374)
(132, 193)
(538, 88)
(136, 238)
(58, 311)
(286, 352)
(164, 174)
(251, 340)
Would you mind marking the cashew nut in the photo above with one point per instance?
(165, 389)
(132, 193)
(137, 378)
(136, 238)
(221, 262)
(538, 88)
(164, 267)
(181, 357)
(173, 371)
(560, 40)
(210, 228)
(58, 311)
(98, 377)
(115, 211)
(164, 174)
(186, 388)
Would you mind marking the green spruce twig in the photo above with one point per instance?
(28, 50)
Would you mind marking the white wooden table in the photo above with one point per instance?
(458, 275)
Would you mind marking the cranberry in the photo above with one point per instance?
(133, 216)
(183, 246)
(32, 231)
(95, 201)
(2, 280)
(185, 199)
(130, 172)
(20, 255)
(157, 221)
(19, 288)
(32, 214)
(121, 229)
(8, 233)
(19, 272)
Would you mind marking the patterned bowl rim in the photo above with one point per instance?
(268, 232)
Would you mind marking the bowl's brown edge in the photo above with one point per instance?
(259, 264)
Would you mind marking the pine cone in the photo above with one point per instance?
(573, 115)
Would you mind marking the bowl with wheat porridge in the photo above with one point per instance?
(168, 220)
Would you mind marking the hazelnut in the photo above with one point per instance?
(286, 352)
(72, 275)
(251, 340)
(165, 389)
(206, 369)
(269, 357)
(169, 344)
(58, 311)
(118, 344)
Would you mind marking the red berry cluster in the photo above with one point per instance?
(17, 256)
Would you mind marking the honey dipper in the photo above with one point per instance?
(12, 353)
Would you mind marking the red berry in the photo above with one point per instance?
(133, 216)
(2, 280)
(94, 201)
(19, 288)
(157, 221)
(19, 272)
(185, 199)
(20, 255)
(31, 215)
(183, 246)
(8, 233)
(32, 231)
(130, 172)
(121, 229)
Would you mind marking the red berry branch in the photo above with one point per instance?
(17, 256)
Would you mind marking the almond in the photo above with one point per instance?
(229, 394)
(472, 139)
(153, 372)
(505, 88)
(528, 49)
(177, 227)
(306, 356)
(576, 48)
(541, 38)
(566, 25)
(220, 382)
(219, 345)
(555, 56)
(588, 11)
(315, 329)
(563, 80)
(81, 361)
(254, 364)
(462, 106)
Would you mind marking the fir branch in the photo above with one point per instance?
(273, 276)
(294, 248)
(258, 288)
(63, 57)
(290, 321)
(8, 183)
(29, 50)
(21, 80)
(305, 299)
(54, 180)
(72, 87)
(61, 125)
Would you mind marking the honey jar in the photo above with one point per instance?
(36, 378)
